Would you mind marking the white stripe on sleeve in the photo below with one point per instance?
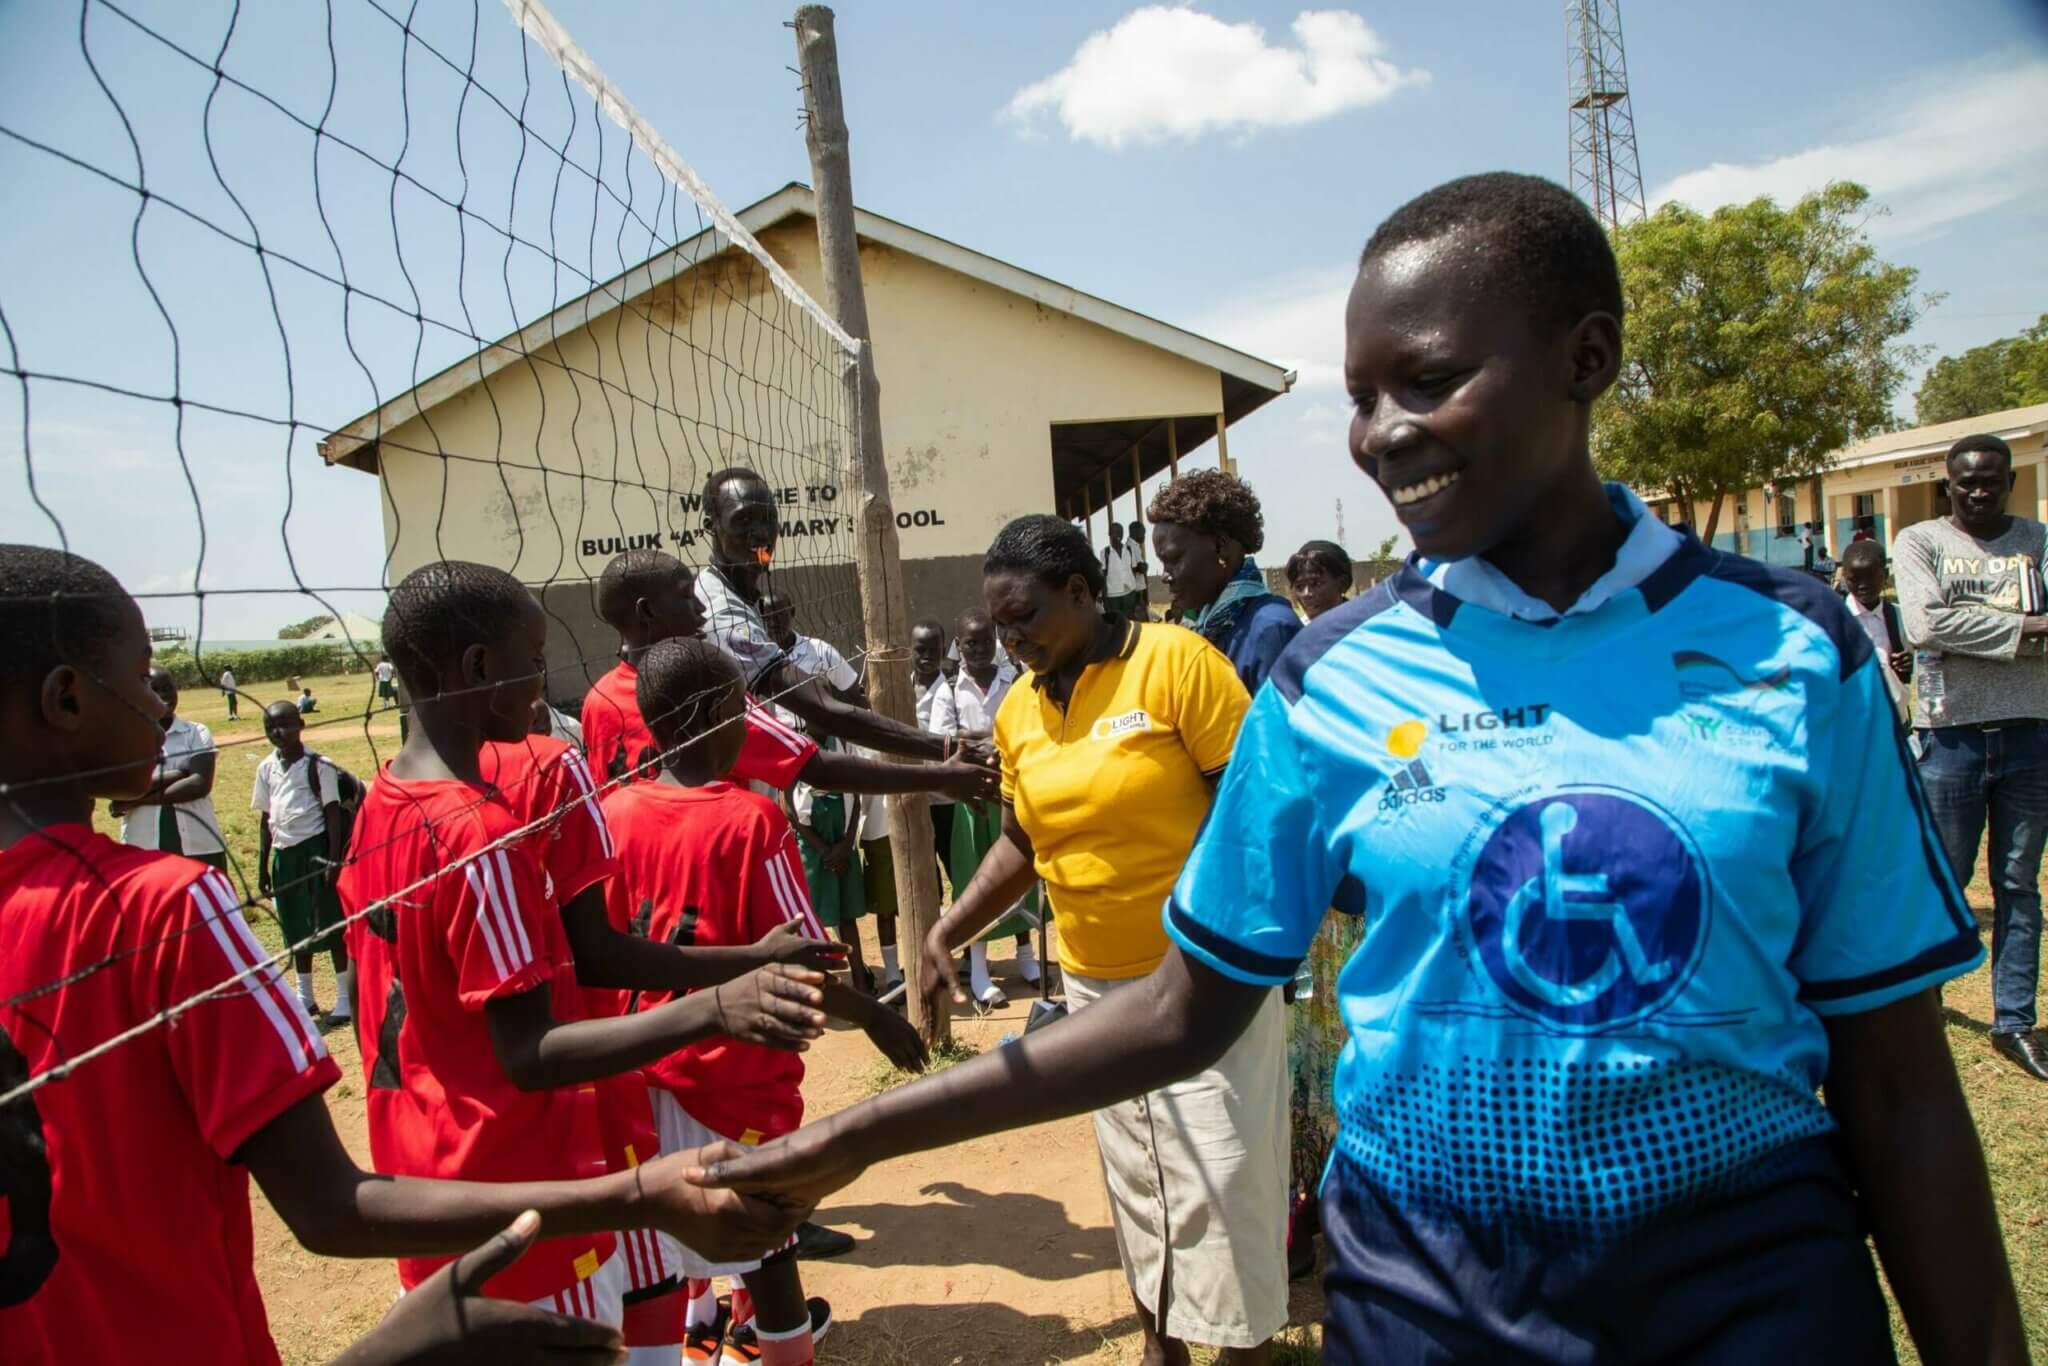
(521, 946)
(216, 907)
(759, 718)
(581, 774)
(474, 875)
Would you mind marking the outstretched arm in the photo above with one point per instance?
(961, 779)
(775, 1006)
(607, 958)
(336, 1209)
(1170, 1025)
(827, 715)
(1892, 1087)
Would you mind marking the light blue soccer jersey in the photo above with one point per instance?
(1614, 870)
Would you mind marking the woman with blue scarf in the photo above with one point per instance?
(1205, 528)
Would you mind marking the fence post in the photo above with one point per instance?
(878, 557)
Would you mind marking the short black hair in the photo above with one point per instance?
(1327, 556)
(1213, 503)
(718, 479)
(1136, 529)
(929, 624)
(1050, 549)
(969, 615)
(1538, 242)
(682, 679)
(630, 577)
(1981, 441)
(1859, 552)
(55, 608)
(441, 609)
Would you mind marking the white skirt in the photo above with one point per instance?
(1197, 1177)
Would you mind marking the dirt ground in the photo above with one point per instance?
(994, 1253)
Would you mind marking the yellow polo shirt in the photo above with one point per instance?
(1112, 789)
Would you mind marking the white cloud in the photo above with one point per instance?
(1170, 72)
(1296, 321)
(1969, 141)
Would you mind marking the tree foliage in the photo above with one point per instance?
(1759, 340)
(299, 630)
(2011, 372)
(1382, 562)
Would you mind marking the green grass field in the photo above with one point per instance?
(2011, 1109)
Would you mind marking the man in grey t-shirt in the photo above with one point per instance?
(1970, 593)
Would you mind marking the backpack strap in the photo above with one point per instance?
(1894, 624)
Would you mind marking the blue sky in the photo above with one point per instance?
(1094, 144)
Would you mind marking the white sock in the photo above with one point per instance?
(344, 985)
(306, 990)
(1027, 961)
(702, 1310)
(889, 962)
(977, 971)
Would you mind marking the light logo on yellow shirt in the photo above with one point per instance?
(1137, 722)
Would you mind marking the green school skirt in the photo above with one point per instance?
(976, 828)
(836, 897)
(878, 878)
(303, 894)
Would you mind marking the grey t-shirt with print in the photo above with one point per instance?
(1966, 599)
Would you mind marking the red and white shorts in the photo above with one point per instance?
(680, 1133)
(600, 1296)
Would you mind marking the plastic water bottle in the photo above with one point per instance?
(1932, 687)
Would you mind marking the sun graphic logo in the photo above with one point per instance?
(1411, 782)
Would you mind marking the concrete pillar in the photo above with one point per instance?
(1889, 506)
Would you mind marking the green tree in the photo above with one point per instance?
(1382, 562)
(299, 630)
(2011, 372)
(1759, 340)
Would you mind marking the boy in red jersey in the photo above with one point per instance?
(456, 938)
(706, 862)
(125, 1181)
(647, 596)
(548, 788)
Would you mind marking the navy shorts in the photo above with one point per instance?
(1779, 1274)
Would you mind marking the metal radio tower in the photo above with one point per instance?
(1604, 169)
(1340, 526)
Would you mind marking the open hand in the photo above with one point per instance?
(447, 1320)
(965, 780)
(789, 945)
(718, 1225)
(896, 1039)
(941, 981)
(775, 1006)
(799, 1170)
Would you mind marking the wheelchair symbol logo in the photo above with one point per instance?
(1588, 908)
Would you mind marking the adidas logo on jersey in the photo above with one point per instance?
(1411, 786)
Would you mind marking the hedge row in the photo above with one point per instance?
(263, 666)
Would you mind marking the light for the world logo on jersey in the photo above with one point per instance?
(1588, 908)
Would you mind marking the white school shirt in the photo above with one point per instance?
(227, 680)
(927, 702)
(1872, 622)
(735, 626)
(385, 670)
(1118, 563)
(297, 813)
(964, 709)
(198, 830)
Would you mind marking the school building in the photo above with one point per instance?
(1003, 393)
(1881, 486)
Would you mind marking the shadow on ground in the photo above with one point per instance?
(1016, 1229)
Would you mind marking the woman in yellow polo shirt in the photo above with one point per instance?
(1111, 745)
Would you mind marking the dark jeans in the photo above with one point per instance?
(1971, 774)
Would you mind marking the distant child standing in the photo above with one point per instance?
(176, 814)
(387, 681)
(227, 690)
(301, 842)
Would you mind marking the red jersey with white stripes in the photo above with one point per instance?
(713, 865)
(620, 745)
(467, 920)
(124, 1222)
(546, 784)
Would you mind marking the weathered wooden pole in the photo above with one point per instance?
(878, 556)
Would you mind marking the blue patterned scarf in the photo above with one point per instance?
(1215, 620)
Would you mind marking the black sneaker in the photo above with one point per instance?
(814, 1243)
